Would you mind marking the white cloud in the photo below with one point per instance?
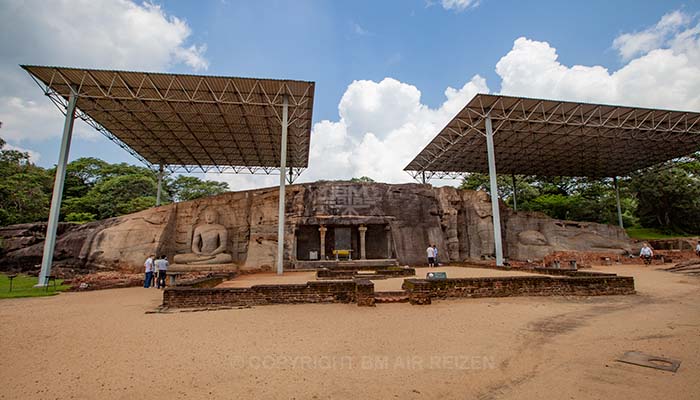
(382, 127)
(114, 34)
(33, 155)
(359, 29)
(459, 5)
(633, 44)
(663, 77)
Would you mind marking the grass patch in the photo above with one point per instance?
(23, 286)
(651, 233)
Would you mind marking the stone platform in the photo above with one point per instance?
(347, 264)
(203, 268)
(383, 273)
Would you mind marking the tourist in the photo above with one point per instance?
(646, 253)
(162, 266)
(437, 262)
(431, 255)
(697, 249)
(149, 272)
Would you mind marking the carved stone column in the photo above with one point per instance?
(387, 229)
(322, 230)
(363, 231)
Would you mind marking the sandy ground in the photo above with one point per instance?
(102, 345)
(379, 284)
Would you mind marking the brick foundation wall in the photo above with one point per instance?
(364, 293)
(569, 272)
(311, 292)
(422, 291)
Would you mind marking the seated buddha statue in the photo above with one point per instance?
(208, 243)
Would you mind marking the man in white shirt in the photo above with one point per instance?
(697, 249)
(431, 255)
(646, 253)
(149, 272)
(162, 266)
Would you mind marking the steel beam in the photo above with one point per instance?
(515, 195)
(494, 193)
(160, 184)
(52, 226)
(283, 175)
(617, 198)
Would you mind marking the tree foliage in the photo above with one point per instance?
(362, 179)
(669, 197)
(25, 189)
(578, 199)
(185, 188)
(94, 189)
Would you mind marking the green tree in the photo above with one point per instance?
(122, 194)
(82, 174)
(669, 197)
(184, 188)
(24, 188)
(96, 189)
(362, 179)
(580, 199)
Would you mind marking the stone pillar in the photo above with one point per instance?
(322, 230)
(387, 229)
(363, 231)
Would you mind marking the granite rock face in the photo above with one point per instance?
(405, 217)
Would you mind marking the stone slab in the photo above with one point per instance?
(203, 268)
(650, 361)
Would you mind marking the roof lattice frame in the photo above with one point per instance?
(557, 138)
(189, 122)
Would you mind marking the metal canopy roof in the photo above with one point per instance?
(189, 122)
(557, 138)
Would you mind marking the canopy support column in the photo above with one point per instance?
(283, 175)
(160, 184)
(515, 194)
(50, 242)
(494, 193)
(423, 177)
(617, 198)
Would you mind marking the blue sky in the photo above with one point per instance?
(409, 40)
(424, 47)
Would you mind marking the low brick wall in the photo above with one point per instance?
(422, 291)
(311, 292)
(568, 272)
(364, 293)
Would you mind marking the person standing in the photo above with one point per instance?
(431, 255)
(697, 249)
(162, 266)
(646, 253)
(437, 261)
(149, 272)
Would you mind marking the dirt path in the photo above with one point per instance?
(102, 345)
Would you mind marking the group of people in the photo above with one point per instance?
(156, 269)
(432, 252)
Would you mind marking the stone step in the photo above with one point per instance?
(391, 297)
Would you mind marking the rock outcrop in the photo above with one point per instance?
(401, 220)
